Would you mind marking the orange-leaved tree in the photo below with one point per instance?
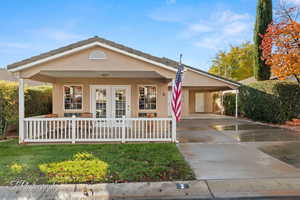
(281, 49)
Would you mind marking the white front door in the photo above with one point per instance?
(110, 101)
(199, 102)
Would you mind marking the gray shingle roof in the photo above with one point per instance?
(162, 60)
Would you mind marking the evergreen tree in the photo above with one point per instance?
(263, 19)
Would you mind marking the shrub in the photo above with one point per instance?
(270, 101)
(83, 156)
(229, 103)
(85, 168)
(38, 101)
(8, 104)
(16, 168)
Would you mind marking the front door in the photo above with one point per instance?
(110, 101)
(199, 102)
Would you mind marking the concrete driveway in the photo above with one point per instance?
(227, 149)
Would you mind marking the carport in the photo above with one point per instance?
(203, 93)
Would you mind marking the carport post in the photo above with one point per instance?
(236, 103)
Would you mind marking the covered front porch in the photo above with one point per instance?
(113, 108)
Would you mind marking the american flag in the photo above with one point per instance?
(177, 93)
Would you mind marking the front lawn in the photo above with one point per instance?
(287, 152)
(126, 162)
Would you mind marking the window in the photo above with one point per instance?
(147, 97)
(72, 97)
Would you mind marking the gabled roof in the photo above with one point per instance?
(163, 62)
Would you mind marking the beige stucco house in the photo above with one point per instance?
(99, 80)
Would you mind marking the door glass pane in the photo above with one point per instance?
(101, 103)
(120, 102)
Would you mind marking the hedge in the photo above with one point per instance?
(38, 101)
(229, 103)
(270, 101)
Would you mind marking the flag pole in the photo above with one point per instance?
(180, 59)
(174, 120)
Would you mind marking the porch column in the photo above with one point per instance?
(222, 105)
(236, 103)
(21, 110)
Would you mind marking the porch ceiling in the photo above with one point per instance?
(101, 74)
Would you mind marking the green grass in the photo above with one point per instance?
(127, 162)
(287, 152)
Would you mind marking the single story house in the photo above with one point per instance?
(105, 91)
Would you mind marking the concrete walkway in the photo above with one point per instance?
(233, 161)
(214, 152)
(208, 189)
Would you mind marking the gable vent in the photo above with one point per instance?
(97, 55)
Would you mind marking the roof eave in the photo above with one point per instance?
(12, 68)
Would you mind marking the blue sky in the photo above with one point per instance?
(196, 28)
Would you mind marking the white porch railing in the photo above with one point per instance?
(99, 130)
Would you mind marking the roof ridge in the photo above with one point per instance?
(162, 60)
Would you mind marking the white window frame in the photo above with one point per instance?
(63, 104)
(138, 99)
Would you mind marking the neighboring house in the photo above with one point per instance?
(7, 76)
(252, 79)
(100, 81)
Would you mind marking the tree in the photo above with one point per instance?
(263, 19)
(236, 64)
(286, 11)
(281, 48)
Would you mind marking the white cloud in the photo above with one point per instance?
(216, 30)
(57, 34)
(235, 28)
(170, 1)
(209, 42)
(296, 2)
(228, 16)
(200, 28)
(220, 30)
(174, 14)
(14, 45)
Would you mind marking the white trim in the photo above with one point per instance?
(86, 47)
(99, 130)
(21, 110)
(213, 77)
(93, 99)
(236, 104)
(110, 106)
(72, 110)
(128, 99)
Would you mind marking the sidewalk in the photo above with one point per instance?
(287, 188)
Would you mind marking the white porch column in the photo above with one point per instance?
(21, 110)
(236, 103)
